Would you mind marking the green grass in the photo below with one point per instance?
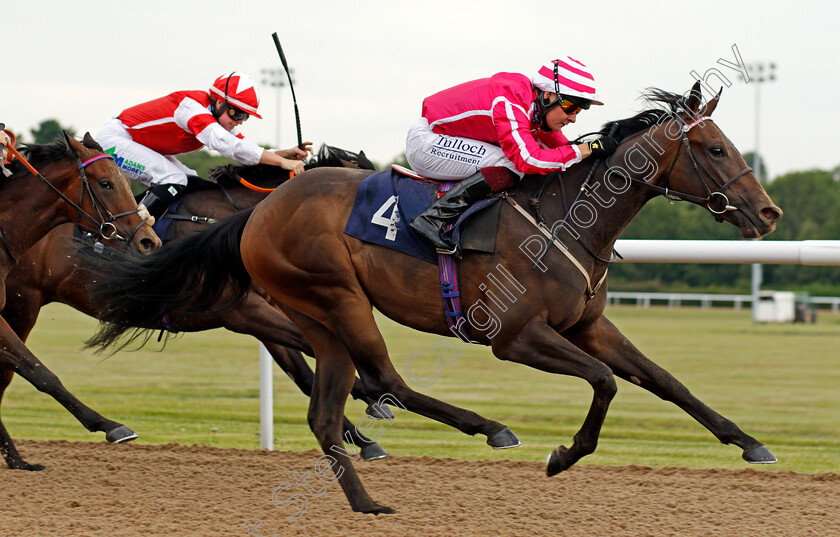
(778, 382)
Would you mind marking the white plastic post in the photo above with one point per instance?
(266, 400)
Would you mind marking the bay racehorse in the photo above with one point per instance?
(47, 273)
(66, 181)
(294, 246)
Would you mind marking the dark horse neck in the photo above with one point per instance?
(587, 221)
(588, 206)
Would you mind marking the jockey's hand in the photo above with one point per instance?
(296, 153)
(5, 142)
(603, 147)
(295, 166)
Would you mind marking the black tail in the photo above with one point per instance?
(198, 275)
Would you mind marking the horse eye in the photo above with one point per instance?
(717, 151)
(104, 183)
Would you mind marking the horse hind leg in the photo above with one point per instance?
(7, 445)
(370, 356)
(334, 374)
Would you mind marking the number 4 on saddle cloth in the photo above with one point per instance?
(388, 201)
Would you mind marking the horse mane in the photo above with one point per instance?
(264, 175)
(337, 158)
(51, 152)
(54, 151)
(664, 103)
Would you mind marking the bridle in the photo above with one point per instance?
(716, 201)
(104, 219)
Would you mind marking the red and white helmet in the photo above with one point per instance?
(567, 76)
(239, 90)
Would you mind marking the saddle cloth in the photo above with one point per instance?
(387, 202)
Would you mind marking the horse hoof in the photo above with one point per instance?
(379, 412)
(504, 439)
(377, 509)
(759, 455)
(554, 463)
(372, 452)
(120, 435)
(23, 465)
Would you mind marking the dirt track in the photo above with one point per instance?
(93, 489)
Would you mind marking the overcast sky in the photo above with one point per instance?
(362, 67)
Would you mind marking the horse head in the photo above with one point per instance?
(706, 168)
(106, 198)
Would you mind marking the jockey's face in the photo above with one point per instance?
(556, 118)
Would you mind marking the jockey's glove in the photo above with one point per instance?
(603, 147)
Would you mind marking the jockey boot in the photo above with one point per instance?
(448, 208)
(158, 198)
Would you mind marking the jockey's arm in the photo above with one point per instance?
(288, 159)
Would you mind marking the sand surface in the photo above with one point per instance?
(96, 489)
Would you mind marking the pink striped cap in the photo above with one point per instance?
(573, 79)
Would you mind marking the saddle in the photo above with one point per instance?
(386, 202)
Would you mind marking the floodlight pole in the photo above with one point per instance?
(275, 78)
(759, 73)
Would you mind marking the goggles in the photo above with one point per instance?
(568, 106)
(236, 114)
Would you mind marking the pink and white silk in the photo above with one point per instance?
(498, 110)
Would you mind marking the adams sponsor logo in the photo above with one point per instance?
(127, 165)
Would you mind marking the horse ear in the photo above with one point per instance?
(694, 97)
(90, 143)
(71, 142)
(713, 103)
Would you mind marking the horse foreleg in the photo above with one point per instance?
(539, 346)
(605, 342)
(15, 356)
(295, 366)
(333, 378)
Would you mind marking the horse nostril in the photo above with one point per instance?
(147, 246)
(771, 214)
